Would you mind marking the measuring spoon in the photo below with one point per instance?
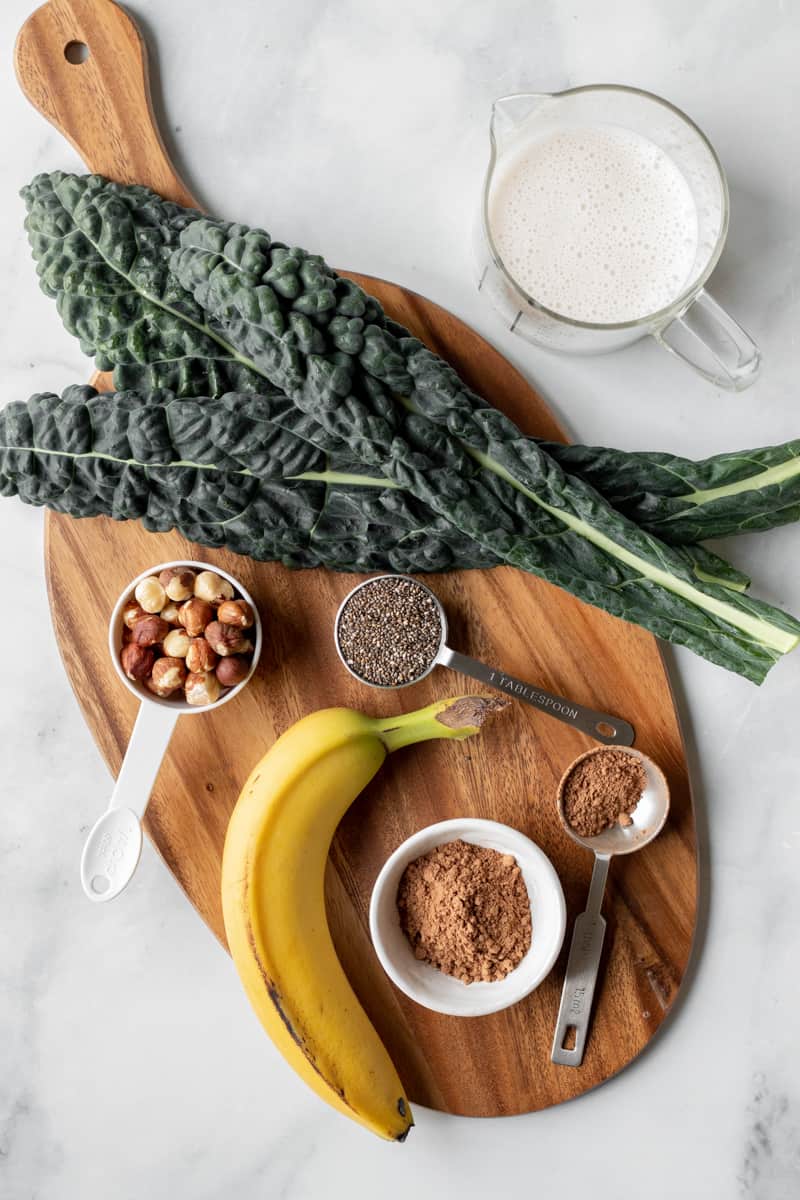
(586, 947)
(603, 727)
(114, 845)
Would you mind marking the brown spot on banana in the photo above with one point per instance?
(275, 997)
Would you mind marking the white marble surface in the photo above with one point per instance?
(129, 1064)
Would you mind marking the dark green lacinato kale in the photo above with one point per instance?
(102, 252)
(405, 413)
(712, 568)
(684, 501)
(222, 473)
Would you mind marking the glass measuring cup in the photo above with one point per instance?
(693, 326)
(603, 727)
(586, 947)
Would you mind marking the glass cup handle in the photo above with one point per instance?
(707, 338)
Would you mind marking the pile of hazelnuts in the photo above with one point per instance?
(185, 634)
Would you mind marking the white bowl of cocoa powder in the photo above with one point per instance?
(467, 917)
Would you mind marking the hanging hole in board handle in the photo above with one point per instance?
(76, 53)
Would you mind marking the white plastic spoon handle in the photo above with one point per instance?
(113, 847)
(142, 761)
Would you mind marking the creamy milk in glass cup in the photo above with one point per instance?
(604, 211)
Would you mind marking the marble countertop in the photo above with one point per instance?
(128, 1064)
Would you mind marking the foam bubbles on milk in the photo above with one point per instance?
(595, 222)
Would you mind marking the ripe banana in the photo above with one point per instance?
(273, 901)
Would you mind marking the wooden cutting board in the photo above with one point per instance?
(483, 1067)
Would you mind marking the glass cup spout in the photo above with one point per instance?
(690, 324)
(509, 113)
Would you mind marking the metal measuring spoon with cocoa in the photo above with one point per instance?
(626, 803)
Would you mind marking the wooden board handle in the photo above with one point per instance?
(83, 65)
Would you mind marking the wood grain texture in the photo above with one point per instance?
(489, 1066)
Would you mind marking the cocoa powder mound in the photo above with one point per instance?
(465, 909)
(602, 790)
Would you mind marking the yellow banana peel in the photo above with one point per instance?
(273, 899)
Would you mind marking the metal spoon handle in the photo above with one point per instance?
(582, 967)
(603, 727)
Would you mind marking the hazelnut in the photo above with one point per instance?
(202, 688)
(200, 657)
(226, 639)
(131, 613)
(212, 587)
(235, 612)
(170, 612)
(168, 675)
(150, 594)
(176, 643)
(194, 615)
(177, 582)
(150, 630)
(156, 690)
(232, 670)
(137, 661)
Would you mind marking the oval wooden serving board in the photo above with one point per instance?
(486, 1067)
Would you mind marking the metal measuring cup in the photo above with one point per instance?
(647, 821)
(603, 727)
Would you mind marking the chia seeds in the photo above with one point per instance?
(389, 631)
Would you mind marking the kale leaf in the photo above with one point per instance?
(102, 252)
(132, 278)
(222, 473)
(402, 411)
(684, 501)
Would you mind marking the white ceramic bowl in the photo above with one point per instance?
(430, 986)
(176, 704)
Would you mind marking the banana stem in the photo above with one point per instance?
(457, 719)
